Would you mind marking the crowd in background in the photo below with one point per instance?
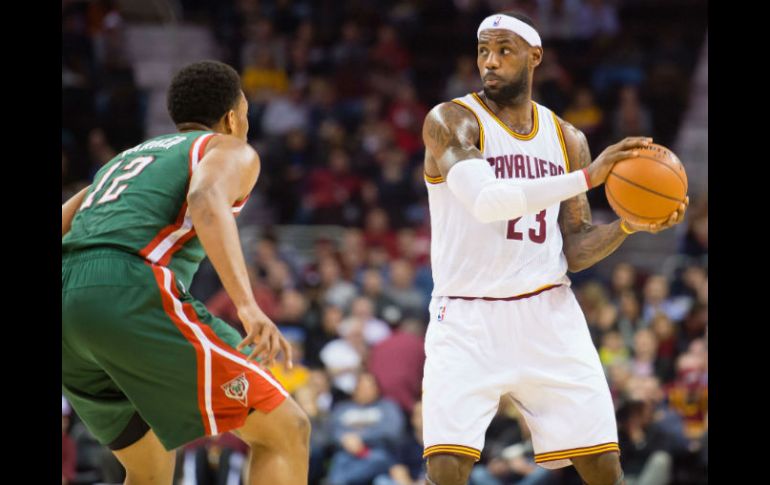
(338, 92)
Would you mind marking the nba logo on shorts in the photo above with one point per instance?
(497, 20)
(441, 313)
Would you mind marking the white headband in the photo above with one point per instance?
(515, 25)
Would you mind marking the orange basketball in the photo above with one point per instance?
(647, 188)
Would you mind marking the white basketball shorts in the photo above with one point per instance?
(538, 350)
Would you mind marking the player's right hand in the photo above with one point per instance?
(599, 169)
(262, 332)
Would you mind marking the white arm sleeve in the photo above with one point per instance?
(490, 199)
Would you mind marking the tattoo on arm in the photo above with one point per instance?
(584, 243)
(450, 133)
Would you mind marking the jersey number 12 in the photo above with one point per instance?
(132, 169)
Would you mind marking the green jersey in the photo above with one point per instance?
(138, 204)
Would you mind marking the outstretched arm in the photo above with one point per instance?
(585, 244)
(69, 208)
(226, 174)
(450, 133)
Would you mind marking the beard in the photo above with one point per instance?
(509, 93)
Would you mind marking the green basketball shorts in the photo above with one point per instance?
(134, 342)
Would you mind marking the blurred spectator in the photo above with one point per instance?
(552, 82)
(510, 454)
(585, 114)
(558, 19)
(406, 115)
(285, 113)
(612, 350)
(630, 118)
(646, 457)
(373, 288)
(665, 334)
(402, 290)
(623, 280)
(696, 239)
(362, 315)
(344, 357)
(261, 78)
(465, 78)
(366, 431)
(377, 232)
(331, 318)
(629, 316)
(597, 18)
(335, 290)
(409, 465)
(330, 190)
(261, 43)
(397, 363)
(657, 299)
(689, 393)
(645, 361)
(388, 53)
(214, 459)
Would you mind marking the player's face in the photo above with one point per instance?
(503, 62)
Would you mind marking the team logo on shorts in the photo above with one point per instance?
(238, 389)
(441, 313)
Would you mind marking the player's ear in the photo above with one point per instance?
(230, 117)
(536, 56)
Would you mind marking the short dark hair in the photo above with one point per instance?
(203, 92)
(518, 15)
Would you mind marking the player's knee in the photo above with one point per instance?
(601, 469)
(445, 469)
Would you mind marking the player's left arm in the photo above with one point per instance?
(585, 243)
(69, 208)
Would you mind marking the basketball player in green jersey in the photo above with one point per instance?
(144, 364)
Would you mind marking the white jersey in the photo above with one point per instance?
(500, 259)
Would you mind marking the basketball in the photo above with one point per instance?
(648, 188)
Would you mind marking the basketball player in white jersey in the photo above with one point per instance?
(506, 184)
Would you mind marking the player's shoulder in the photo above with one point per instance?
(571, 133)
(448, 111)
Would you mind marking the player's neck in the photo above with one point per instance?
(182, 127)
(517, 114)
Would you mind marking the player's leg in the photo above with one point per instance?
(448, 469)
(279, 442)
(563, 393)
(147, 462)
(601, 469)
(460, 394)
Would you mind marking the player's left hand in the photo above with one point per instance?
(675, 218)
(268, 339)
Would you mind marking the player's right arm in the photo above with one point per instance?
(69, 208)
(226, 174)
(450, 133)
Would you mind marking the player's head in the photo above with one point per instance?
(209, 93)
(509, 49)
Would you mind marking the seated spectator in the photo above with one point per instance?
(362, 313)
(464, 79)
(222, 306)
(657, 299)
(409, 467)
(308, 398)
(612, 350)
(402, 290)
(366, 430)
(647, 455)
(631, 117)
(343, 358)
(397, 363)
